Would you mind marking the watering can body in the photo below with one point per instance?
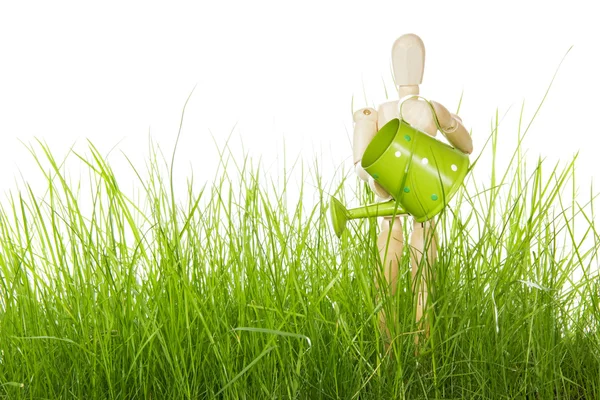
(420, 172)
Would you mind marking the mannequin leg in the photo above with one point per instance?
(390, 244)
(423, 241)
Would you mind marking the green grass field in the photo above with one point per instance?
(235, 292)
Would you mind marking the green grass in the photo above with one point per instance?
(238, 292)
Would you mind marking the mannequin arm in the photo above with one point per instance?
(365, 128)
(453, 129)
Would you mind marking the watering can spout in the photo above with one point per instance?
(340, 214)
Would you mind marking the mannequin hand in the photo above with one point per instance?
(452, 128)
(360, 171)
(376, 187)
(379, 191)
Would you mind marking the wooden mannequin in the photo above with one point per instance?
(408, 61)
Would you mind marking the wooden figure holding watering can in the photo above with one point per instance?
(411, 172)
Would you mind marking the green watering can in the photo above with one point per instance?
(420, 172)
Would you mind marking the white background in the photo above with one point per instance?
(274, 72)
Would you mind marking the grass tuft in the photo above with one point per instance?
(237, 292)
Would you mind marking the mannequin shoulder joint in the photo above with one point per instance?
(368, 114)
